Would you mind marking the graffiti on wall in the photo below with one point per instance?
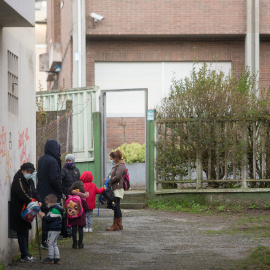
(3, 142)
(8, 168)
(23, 140)
(10, 156)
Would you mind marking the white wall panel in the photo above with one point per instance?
(156, 76)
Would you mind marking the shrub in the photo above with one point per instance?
(211, 118)
(133, 152)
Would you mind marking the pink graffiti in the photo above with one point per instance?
(3, 142)
(24, 157)
(26, 134)
(8, 168)
(23, 137)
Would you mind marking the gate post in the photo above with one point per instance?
(97, 146)
(150, 131)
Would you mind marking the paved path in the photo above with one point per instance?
(155, 240)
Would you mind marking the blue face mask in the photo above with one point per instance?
(69, 164)
(27, 176)
(112, 162)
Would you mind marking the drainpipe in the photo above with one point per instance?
(252, 42)
(79, 44)
(79, 40)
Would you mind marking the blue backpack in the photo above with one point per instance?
(30, 212)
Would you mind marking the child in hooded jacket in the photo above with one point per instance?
(92, 189)
(78, 223)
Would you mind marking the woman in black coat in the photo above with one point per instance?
(22, 192)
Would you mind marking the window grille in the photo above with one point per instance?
(12, 83)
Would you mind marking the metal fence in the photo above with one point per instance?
(213, 155)
(66, 116)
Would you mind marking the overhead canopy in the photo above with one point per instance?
(17, 13)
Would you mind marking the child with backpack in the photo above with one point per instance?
(76, 208)
(92, 189)
(54, 225)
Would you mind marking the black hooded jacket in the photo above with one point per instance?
(69, 175)
(22, 190)
(49, 174)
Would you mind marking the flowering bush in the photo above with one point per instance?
(133, 152)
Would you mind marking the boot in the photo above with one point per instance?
(120, 225)
(114, 227)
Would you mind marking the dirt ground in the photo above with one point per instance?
(163, 240)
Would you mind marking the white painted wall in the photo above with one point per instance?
(17, 132)
(156, 76)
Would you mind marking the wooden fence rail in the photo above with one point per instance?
(213, 154)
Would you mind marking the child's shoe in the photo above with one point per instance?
(48, 260)
(57, 261)
(85, 230)
(81, 245)
(90, 230)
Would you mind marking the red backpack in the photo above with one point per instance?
(126, 181)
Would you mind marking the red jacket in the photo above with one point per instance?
(90, 187)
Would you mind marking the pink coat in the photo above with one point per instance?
(90, 187)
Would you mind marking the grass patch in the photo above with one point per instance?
(195, 206)
(177, 206)
(259, 259)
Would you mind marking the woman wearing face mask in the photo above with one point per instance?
(117, 173)
(22, 193)
(69, 174)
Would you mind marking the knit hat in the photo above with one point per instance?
(70, 157)
(28, 167)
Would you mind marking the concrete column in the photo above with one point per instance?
(252, 42)
(79, 44)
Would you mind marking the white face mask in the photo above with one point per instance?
(28, 176)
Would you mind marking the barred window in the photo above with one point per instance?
(12, 83)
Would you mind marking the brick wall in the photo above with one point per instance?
(170, 17)
(265, 64)
(162, 50)
(265, 17)
(53, 22)
(124, 130)
(65, 76)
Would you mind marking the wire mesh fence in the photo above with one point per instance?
(54, 125)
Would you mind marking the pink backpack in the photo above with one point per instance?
(73, 206)
(126, 181)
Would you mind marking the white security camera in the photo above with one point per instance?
(96, 16)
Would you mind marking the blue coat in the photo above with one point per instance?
(49, 174)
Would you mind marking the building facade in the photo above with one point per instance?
(17, 104)
(144, 44)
